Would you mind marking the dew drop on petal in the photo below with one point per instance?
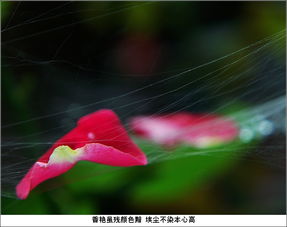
(42, 164)
(91, 135)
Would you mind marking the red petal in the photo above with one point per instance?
(99, 136)
(99, 127)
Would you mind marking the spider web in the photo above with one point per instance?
(249, 80)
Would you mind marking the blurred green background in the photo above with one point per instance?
(59, 57)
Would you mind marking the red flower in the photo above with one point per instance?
(99, 137)
(197, 130)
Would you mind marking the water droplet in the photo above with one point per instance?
(265, 127)
(91, 135)
(246, 134)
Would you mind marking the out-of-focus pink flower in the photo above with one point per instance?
(99, 137)
(198, 130)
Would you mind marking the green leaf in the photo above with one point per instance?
(187, 170)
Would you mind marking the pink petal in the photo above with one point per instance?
(99, 153)
(195, 129)
(37, 174)
(93, 152)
